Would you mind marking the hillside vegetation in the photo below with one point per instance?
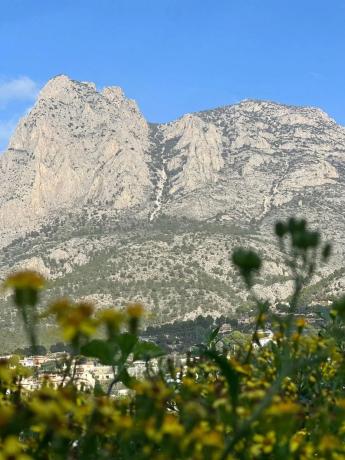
(179, 269)
(227, 400)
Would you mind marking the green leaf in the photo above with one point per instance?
(127, 342)
(213, 335)
(126, 379)
(104, 350)
(147, 350)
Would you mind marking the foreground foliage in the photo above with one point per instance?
(283, 400)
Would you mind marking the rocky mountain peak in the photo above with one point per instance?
(66, 92)
(63, 88)
(86, 173)
(296, 114)
(114, 93)
(79, 146)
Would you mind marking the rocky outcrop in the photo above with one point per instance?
(76, 147)
(264, 155)
(80, 147)
(84, 169)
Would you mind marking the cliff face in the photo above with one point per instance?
(83, 162)
(76, 147)
(244, 161)
(81, 147)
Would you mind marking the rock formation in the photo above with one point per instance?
(87, 161)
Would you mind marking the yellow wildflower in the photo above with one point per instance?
(27, 279)
(263, 444)
(297, 440)
(74, 319)
(135, 310)
(172, 426)
(284, 408)
(12, 449)
(111, 317)
(329, 442)
(300, 323)
(212, 439)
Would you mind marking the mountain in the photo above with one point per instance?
(111, 207)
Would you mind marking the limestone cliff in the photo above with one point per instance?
(92, 191)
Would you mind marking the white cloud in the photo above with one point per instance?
(17, 89)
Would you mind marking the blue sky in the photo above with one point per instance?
(175, 56)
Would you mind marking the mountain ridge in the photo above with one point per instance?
(158, 165)
(210, 109)
(85, 174)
